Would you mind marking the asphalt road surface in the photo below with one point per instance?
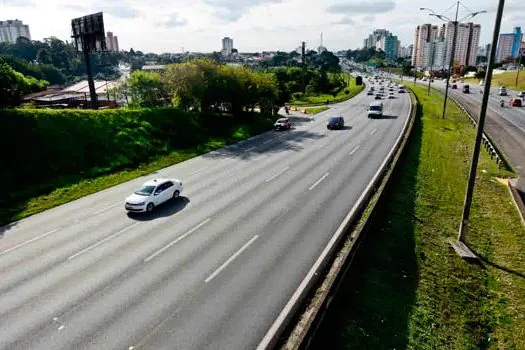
(211, 270)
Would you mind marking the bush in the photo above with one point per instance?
(41, 145)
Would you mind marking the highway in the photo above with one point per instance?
(505, 126)
(211, 270)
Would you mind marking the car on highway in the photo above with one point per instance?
(401, 91)
(152, 194)
(391, 95)
(282, 124)
(454, 86)
(515, 102)
(521, 94)
(378, 96)
(502, 91)
(370, 92)
(335, 122)
(375, 110)
(466, 89)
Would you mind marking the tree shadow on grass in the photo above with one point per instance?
(373, 304)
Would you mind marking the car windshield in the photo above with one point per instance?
(282, 121)
(375, 108)
(334, 119)
(145, 190)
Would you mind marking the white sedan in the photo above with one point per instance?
(152, 194)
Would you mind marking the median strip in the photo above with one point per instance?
(177, 240)
(233, 257)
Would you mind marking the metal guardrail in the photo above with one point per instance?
(335, 260)
(493, 151)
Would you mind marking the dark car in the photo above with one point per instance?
(335, 123)
(282, 124)
(515, 102)
(454, 86)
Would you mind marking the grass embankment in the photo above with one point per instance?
(341, 96)
(313, 110)
(407, 288)
(506, 79)
(53, 157)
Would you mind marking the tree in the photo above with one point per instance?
(15, 85)
(147, 89)
(43, 56)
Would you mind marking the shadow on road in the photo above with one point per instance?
(280, 140)
(166, 209)
(374, 301)
(5, 228)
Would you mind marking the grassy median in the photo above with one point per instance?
(407, 288)
(345, 94)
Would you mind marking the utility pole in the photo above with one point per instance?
(522, 49)
(460, 246)
(433, 52)
(455, 22)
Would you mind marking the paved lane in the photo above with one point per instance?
(211, 270)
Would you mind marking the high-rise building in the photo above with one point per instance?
(509, 45)
(111, 42)
(466, 49)
(227, 46)
(390, 46)
(434, 54)
(11, 30)
(373, 40)
(423, 34)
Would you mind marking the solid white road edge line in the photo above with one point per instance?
(318, 181)
(106, 208)
(279, 173)
(249, 149)
(281, 318)
(93, 246)
(233, 257)
(177, 240)
(354, 150)
(20, 245)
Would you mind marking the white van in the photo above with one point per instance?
(375, 109)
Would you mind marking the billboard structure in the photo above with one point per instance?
(88, 33)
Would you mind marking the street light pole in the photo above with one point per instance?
(451, 62)
(433, 48)
(463, 228)
(519, 64)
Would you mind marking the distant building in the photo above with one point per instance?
(227, 46)
(434, 54)
(11, 30)
(390, 47)
(509, 44)
(373, 40)
(424, 33)
(111, 42)
(466, 49)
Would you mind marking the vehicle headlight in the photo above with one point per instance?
(141, 203)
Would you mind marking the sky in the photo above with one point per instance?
(255, 25)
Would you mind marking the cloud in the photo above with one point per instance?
(362, 7)
(232, 10)
(369, 18)
(347, 20)
(174, 21)
(120, 11)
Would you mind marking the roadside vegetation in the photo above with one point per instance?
(507, 79)
(407, 288)
(314, 110)
(344, 91)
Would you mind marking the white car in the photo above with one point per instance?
(153, 193)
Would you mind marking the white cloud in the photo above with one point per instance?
(255, 25)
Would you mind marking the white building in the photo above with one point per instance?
(11, 30)
(227, 46)
(467, 42)
(434, 53)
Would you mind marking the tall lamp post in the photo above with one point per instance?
(455, 22)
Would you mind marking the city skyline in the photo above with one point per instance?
(258, 25)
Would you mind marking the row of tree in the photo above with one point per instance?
(326, 60)
(15, 84)
(205, 86)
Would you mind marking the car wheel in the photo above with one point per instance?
(149, 207)
(176, 194)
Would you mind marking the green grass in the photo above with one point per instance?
(505, 79)
(69, 188)
(407, 289)
(340, 97)
(314, 110)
